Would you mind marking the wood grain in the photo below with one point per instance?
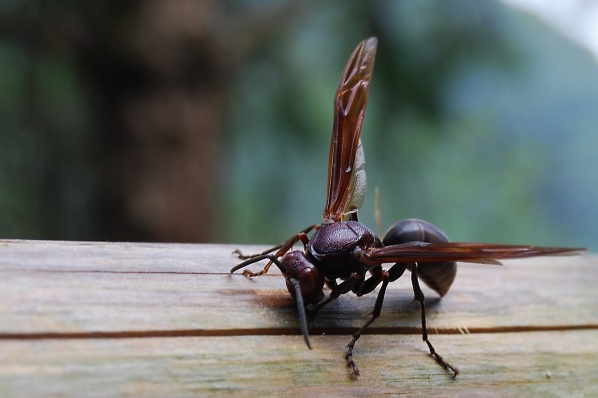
(106, 319)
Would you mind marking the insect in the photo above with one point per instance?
(347, 256)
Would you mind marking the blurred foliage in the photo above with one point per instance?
(46, 164)
(481, 119)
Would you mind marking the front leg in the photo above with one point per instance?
(336, 290)
(281, 250)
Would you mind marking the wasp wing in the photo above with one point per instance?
(345, 175)
(357, 186)
(421, 252)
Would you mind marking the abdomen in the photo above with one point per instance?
(438, 276)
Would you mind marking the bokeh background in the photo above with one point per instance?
(210, 121)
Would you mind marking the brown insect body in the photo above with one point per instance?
(335, 248)
(345, 254)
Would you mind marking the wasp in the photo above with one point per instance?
(347, 256)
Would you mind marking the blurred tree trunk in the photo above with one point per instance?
(159, 84)
(153, 77)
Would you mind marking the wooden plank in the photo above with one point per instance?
(96, 319)
(77, 287)
(492, 365)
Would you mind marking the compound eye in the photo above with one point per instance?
(311, 281)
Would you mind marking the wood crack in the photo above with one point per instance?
(336, 331)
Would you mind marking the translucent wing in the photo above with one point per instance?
(358, 184)
(344, 178)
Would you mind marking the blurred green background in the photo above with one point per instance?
(210, 121)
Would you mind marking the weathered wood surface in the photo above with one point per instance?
(128, 319)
